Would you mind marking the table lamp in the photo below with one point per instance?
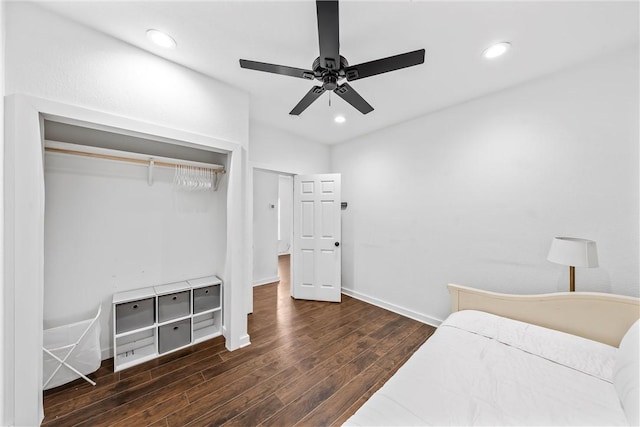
(573, 252)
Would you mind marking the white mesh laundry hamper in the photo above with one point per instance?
(70, 352)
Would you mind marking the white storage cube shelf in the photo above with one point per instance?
(207, 307)
(158, 320)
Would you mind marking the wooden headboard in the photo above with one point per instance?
(596, 316)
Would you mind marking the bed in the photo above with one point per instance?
(553, 359)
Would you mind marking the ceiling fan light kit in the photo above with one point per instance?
(330, 68)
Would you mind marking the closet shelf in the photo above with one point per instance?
(208, 311)
(177, 319)
(135, 331)
(122, 156)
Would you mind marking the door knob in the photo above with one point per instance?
(337, 244)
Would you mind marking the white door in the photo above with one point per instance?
(316, 237)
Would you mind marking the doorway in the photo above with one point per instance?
(272, 223)
(116, 222)
(315, 252)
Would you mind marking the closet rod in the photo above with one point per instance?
(128, 159)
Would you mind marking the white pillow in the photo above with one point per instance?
(626, 373)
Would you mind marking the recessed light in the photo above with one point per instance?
(496, 50)
(339, 119)
(161, 39)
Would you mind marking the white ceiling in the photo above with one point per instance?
(213, 35)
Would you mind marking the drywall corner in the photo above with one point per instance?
(3, 415)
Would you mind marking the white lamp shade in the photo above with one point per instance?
(574, 252)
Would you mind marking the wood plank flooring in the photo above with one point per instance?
(309, 364)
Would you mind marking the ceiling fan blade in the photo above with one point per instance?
(384, 65)
(308, 99)
(277, 69)
(350, 95)
(329, 33)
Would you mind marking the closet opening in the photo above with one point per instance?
(124, 212)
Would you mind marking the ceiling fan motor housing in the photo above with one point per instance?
(329, 76)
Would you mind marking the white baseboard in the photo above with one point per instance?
(266, 280)
(245, 341)
(420, 317)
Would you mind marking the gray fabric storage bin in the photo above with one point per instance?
(135, 314)
(172, 306)
(174, 335)
(206, 298)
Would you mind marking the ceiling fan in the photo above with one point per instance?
(330, 67)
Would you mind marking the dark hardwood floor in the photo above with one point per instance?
(309, 363)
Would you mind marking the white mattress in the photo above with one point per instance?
(481, 369)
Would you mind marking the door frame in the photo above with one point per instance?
(23, 239)
(249, 223)
(273, 276)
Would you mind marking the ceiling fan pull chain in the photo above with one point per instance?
(329, 99)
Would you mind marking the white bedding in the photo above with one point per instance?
(481, 369)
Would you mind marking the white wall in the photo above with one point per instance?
(107, 231)
(265, 227)
(53, 58)
(285, 152)
(473, 194)
(285, 194)
(3, 417)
